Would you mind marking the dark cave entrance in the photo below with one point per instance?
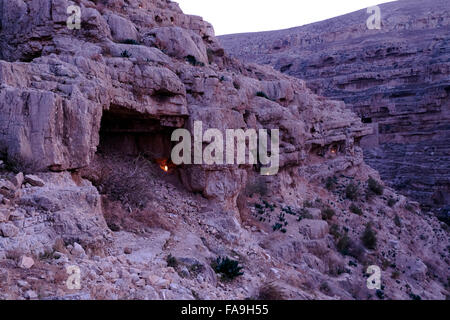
(130, 133)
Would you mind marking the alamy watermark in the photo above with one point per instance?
(74, 20)
(374, 21)
(74, 280)
(374, 280)
(235, 144)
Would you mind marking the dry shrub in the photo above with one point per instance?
(124, 180)
(18, 164)
(118, 218)
(270, 292)
(14, 254)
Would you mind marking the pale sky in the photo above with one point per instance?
(237, 16)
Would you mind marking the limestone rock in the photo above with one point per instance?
(8, 230)
(26, 262)
(34, 180)
(314, 229)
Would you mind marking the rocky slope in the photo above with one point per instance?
(86, 118)
(396, 78)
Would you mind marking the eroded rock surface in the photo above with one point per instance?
(396, 78)
(86, 118)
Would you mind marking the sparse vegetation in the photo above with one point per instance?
(262, 95)
(391, 202)
(352, 191)
(375, 187)
(308, 204)
(130, 41)
(18, 164)
(343, 245)
(127, 185)
(228, 268)
(334, 231)
(369, 237)
(330, 183)
(409, 207)
(171, 261)
(327, 213)
(125, 54)
(397, 221)
(46, 255)
(270, 292)
(355, 209)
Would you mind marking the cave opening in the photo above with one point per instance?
(130, 133)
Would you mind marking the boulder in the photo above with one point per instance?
(26, 262)
(121, 28)
(178, 42)
(314, 229)
(8, 230)
(33, 180)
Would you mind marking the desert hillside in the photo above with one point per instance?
(88, 188)
(397, 79)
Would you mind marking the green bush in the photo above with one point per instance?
(171, 261)
(391, 202)
(397, 221)
(130, 41)
(330, 183)
(262, 95)
(125, 54)
(375, 187)
(229, 269)
(327, 213)
(334, 231)
(369, 237)
(352, 191)
(355, 209)
(344, 244)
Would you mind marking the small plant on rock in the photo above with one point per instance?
(397, 221)
(352, 191)
(228, 268)
(369, 237)
(262, 95)
(355, 209)
(125, 54)
(327, 213)
(391, 202)
(330, 183)
(171, 261)
(270, 292)
(375, 187)
(130, 41)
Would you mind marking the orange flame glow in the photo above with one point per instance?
(164, 164)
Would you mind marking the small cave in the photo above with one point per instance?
(132, 168)
(132, 134)
(366, 119)
(328, 151)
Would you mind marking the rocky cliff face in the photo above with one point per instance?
(396, 78)
(90, 113)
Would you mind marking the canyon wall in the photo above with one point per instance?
(397, 79)
(86, 117)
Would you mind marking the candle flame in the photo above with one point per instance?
(164, 164)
